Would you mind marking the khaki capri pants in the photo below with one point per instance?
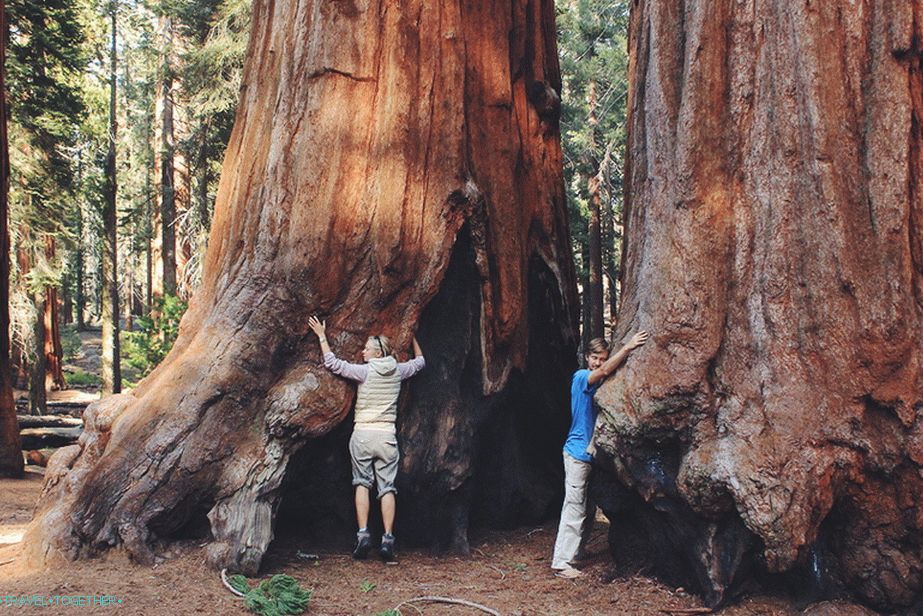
(374, 456)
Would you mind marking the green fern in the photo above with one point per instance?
(280, 595)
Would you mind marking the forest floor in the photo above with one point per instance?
(507, 571)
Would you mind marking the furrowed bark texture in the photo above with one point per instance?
(775, 251)
(369, 136)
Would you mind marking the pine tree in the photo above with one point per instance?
(217, 32)
(111, 360)
(592, 39)
(44, 66)
(11, 462)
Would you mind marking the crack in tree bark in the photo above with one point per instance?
(325, 71)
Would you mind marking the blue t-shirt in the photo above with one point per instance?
(583, 416)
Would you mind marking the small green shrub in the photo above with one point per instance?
(70, 341)
(367, 586)
(79, 378)
(278, 596)
(144, 349)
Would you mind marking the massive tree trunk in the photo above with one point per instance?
(390, 167)
(775, 250)
(11, 462)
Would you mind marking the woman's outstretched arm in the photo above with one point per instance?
(354, 372)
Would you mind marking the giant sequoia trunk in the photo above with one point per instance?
(775, 251)
(390, 166)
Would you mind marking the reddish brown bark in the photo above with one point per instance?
(54, 375)
(54, 354)
(390, 166)
(11, 462)
(774, 249)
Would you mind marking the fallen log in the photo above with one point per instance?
(48, 421)
(40, 438)
(69, 407)
(68, 402)
(39, 457)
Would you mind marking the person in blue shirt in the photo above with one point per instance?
(577, 460)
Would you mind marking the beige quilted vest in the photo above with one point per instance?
(376, 399)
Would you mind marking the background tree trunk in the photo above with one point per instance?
(54, 354)
(204, 177)
(167, 175)
(38, 390)
(80, 252)
(774, 248)
(596, 323)
(11, 462)
(67, 302)
(51, 347)
(111, 360)
(388, 170)
(609, 240)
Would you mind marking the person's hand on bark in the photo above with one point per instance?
(320, 328)
(638, 340)
(317, 326)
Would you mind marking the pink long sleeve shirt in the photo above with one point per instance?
(360, 372)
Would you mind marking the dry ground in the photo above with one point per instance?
(507, 571)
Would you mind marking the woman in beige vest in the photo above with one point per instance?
(373, 445)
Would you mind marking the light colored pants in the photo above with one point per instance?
(374, 456)
(575, 524)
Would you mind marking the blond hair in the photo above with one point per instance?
(382, 344)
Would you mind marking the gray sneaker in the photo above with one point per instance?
(363, 545)
(387, 548)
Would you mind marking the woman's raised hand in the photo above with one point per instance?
(317, 326)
